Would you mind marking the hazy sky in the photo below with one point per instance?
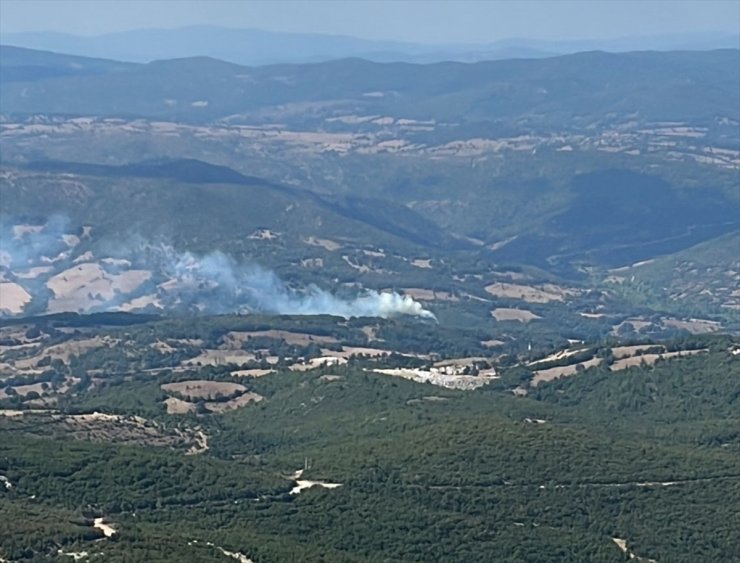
(416, 20)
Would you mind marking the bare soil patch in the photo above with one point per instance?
(237, 402)
(694, 326)
(252, 372)
(13, 298)
(322, 361)
(619, 352)
(178, 406)
(210, 357)
(201, 389)
(531, 294)
(236, 339)
(86, 285)
(650, 359)
(521, 315)
(562, 371)
(327, 244)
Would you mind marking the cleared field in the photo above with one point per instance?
(435, 377)
(562, 371)
(235, 339)
(87, 285)
(210, 357)
(650, 359)
(238, 402)
(251, 372)
(198, 389)
(178, 406)
(13, 298)
(637, 323)
(507, 314)
(620, 352)
(529, 293)
(327, 244)
(694, 326)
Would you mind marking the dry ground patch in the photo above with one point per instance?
(234, 340)
(694, 326)
(327, 244)
(562, 371)
(650, 359)
(619, 352)
(201, 389)
(211, 357)
(86, 285)
(529, 293)
(13, 298)
(507, 314)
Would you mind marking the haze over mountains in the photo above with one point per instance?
(258, 47)
(340, 309)
(572, 165)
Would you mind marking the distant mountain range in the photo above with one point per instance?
(257, 47)
(569, 91)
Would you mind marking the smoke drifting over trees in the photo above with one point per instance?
(169, 279)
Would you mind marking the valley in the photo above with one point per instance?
(350, 311)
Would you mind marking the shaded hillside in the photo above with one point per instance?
(210, 204)
(28, 65)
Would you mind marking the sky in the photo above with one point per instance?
(422, 21)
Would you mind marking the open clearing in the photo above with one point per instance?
(619, 352)
(108, 428)
(195, 391)
(201, 389)
(694, 326)
(210, 357)
(108, 530)
(13, 298)
(235, 403)
(650, 359)
(562, 371)
(87, 285)
(437, 377)
(530, 294)
(507, 314)
(303, 484)
(234, 340)
(327, 244)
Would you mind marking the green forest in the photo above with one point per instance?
(649, 455)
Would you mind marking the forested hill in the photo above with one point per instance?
(577, 89)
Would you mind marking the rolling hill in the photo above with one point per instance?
(570, 91)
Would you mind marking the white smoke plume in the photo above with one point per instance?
(173, 281)
(219, 284)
